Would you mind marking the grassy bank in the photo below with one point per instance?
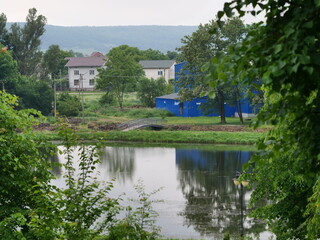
(167, 136)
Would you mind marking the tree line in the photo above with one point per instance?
(29, 73)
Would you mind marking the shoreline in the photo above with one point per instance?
(169, 137)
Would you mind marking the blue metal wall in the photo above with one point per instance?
(191, 108)
(177, 70)
(170, 105)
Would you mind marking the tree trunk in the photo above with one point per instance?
(238, 104)
(221, 106)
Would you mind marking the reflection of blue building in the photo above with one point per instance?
(192, 108)
(211, 161)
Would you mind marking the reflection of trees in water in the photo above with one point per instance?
(119, 162)
(56, 165)
(213, 203)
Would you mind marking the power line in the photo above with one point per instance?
(126, 76)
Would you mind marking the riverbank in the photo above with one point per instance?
(149, 136)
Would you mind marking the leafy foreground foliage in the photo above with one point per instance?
(284, 55)
(23, 165)
(138, 223)
(32, 208)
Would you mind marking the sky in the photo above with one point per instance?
(117, 12)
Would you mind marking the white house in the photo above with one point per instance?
(158, 68)
(82, 71)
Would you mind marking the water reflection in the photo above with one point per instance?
(118, 162)
(213, 202)
(200, 199)
(56, 166)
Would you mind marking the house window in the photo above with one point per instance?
(76, 72)
(91, 82)
(91, 72)
(76, 82)
(160, 73)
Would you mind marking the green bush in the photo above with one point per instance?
(51, 120)
(148, 113)
(149, 89)
(68, 105)
(139, 223)
(92, 106)
(34, 93)
(107, 99)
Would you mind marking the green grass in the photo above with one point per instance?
(200, 146)
(167, 136)
(204, 120)
(185, 137)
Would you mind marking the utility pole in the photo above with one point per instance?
(82, 102)
(54, 99)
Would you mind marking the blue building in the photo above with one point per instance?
(192, 108)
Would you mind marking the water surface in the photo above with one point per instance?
(200, 198)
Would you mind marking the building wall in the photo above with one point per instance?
(189, 108)
(170, 105)
(192, 108)
(247, 109)
(178, 69)
(88, 77)
(155, 73)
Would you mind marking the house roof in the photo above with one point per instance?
(170, 96)
(148, 64)
(95, 60)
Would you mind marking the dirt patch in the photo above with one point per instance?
(44, 126)
(103, 127)
(136, 106)
(108, 126)
(74, 121)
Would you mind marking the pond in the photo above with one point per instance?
(200, 200)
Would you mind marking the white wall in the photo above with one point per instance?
(153, 73)
(86, 76)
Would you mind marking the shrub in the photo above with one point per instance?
(149, 89)
(148, 113)
(107, 99)
(68, 105)
(139, 223)
(34, 93)
(93, 106)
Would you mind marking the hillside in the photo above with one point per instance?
(89, 39)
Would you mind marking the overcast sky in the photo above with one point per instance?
(117, 12)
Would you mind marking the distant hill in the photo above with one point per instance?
(89, 39)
